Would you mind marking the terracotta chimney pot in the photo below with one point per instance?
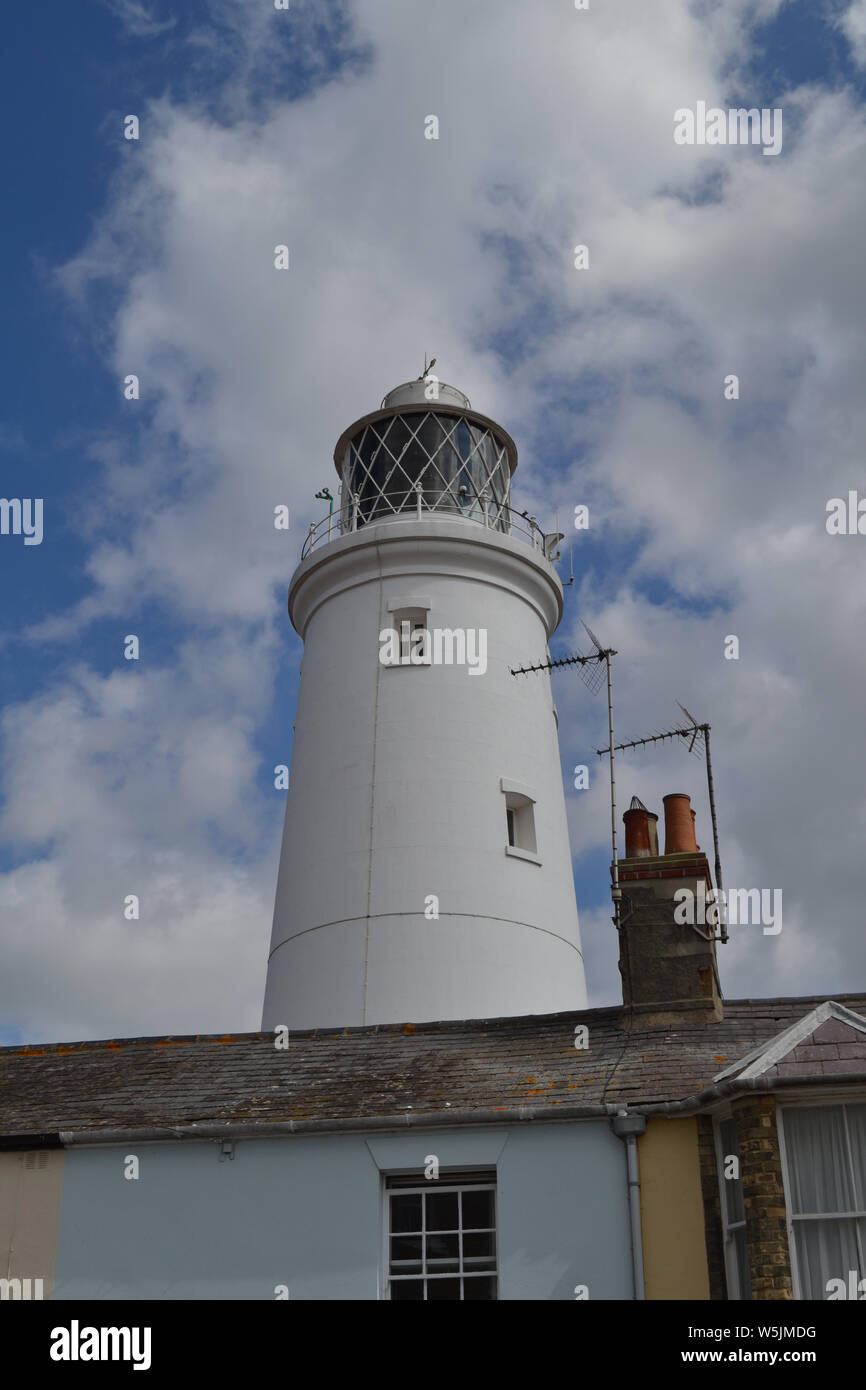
(641, 832)
(679, 825)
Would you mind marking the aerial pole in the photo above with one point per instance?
(616, 891)
(723, 915)
(694, 732)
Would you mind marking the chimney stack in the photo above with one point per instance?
(668, 967)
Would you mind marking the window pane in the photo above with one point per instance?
(477, 1210)
(443, 1289)
(403, 1249)
(441, 1211)
(742, 1255)
(825, 1250)
(443, 1254)
(478, 1246)
(474, 1289)
(818, 1164)
(406, 1212)
(405, 1289)
(732, 1187)
(734, 1194)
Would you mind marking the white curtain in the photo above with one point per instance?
(857, 1134)
(826, 1153)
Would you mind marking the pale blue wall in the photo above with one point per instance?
(307, 1212)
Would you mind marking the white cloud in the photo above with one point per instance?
(138, 19)
(143, 782)
(556, 128)
(853, 25)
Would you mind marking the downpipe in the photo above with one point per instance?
(627, 1127)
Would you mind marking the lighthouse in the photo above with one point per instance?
(425, 871)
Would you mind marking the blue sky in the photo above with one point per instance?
(708, 517)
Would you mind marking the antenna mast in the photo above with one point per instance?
(698, 734)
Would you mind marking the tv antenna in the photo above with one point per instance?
(593, 667)
(697, 737)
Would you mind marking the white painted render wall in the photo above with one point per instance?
(395, 792)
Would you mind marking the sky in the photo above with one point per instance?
(708, 515)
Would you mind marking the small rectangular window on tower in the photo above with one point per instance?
(520, 822)
(442, 1238)
(413, 638)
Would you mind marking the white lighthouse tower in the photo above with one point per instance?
(426, 870)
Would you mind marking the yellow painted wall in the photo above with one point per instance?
(30, 1187)
(672, 1210)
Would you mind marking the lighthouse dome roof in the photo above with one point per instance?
(417, 393)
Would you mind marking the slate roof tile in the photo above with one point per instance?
(380, 1072)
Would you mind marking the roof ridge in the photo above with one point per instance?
(432, 1026)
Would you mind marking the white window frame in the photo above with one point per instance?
(812, 1103)
(441, 1184)
(729, 1247)
(520, 801)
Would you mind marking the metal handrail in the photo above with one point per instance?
(347, 519)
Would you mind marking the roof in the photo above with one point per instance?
(829, 1040)
(386, 1076)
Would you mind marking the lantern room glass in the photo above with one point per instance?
(459, 465)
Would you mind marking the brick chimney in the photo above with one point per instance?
(669, 972)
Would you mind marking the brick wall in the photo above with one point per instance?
(763, 1197)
